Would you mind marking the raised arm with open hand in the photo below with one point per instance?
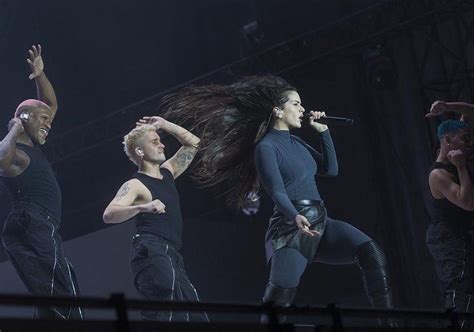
(35, 61)
(44, 88)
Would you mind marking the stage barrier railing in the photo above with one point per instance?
(121, 306)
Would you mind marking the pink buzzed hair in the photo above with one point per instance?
(30, 103)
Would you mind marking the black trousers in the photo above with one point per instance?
(158, 273)
(33, 244)
(452, 251)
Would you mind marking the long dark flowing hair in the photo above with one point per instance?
(229, 119)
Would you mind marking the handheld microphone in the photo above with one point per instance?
(333, 120)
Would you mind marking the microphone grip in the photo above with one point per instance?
(334, 120)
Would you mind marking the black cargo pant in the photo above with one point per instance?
(32, 242)
(158, 273)
(453, 256)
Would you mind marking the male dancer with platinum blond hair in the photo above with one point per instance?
(150, 198)
(30, 234)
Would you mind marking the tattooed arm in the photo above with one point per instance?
(185, 155)
(181, 160)
(124, 205)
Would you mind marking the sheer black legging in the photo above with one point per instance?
(338, 246)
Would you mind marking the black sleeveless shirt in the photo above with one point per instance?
(169, 225)
(446, 212)
(37, 184)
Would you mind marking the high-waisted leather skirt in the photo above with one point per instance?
(283, 232)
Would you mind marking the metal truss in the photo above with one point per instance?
(8, 13)
(441, 51)
(443, 54)
(423, 19)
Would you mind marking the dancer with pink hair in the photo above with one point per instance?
(30, 234)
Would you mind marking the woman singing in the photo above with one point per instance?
(246, 141)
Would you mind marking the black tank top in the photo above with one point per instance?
(169, 225)
(446, 212)
(37, 184)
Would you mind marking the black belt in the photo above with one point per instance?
(308, 202)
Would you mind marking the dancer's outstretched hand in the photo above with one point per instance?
(304, 225)
(156, 121)
(35, 61)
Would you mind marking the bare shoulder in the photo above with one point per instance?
(142, 193)
(132, 186)
(440, 175)
(138, 186)
(440, 182)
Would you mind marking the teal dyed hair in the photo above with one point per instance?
(450, 127)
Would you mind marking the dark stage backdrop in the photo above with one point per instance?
(108, 57)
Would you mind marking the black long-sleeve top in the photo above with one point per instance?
(286, 166)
